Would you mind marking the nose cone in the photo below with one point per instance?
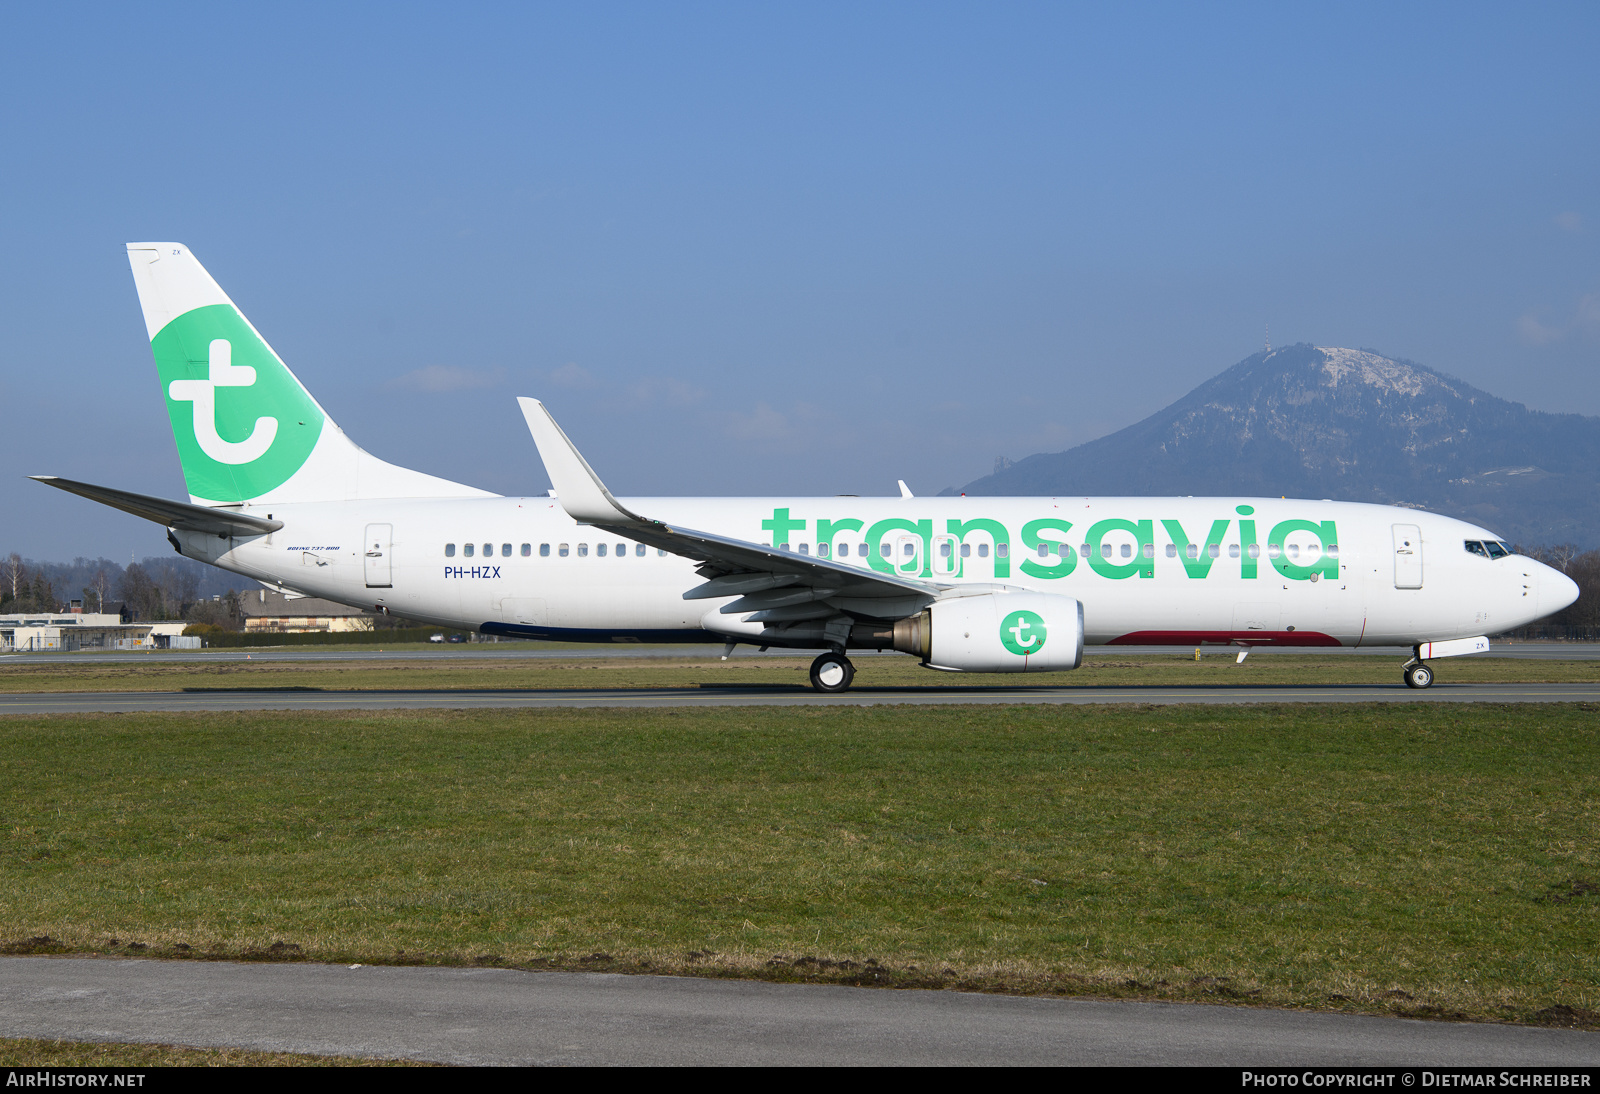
(1556, 590)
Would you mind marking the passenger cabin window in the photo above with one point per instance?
(638, 550)
(661, 552)
(1214, 549)
(1044, 550)
(966, 550)
(622, 550)
(1274, 550)
(983, 550)
(1001, 550)
(822, 550)
(488, 550)
(1193, 550)
(466, 549)
(1064, 550)
(1127, 549)
(805, 548)
(544, 550)
(583, 550)
(885, 550)
(1254, 550)
(563, 550)
(1172, 550)
(599, 550)
(1149, 550)
(505, 550)
(1233, 550)
(449, 550)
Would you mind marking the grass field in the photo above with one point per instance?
(1100, 668)
(1392, 859)
(41, 1052)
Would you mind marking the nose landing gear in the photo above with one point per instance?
(832, 672)
(1417, 675)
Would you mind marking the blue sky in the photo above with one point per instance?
(767, 249)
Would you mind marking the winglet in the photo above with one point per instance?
(577, 487)
(905, 491)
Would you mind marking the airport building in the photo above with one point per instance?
(70, 632)
(270, 612)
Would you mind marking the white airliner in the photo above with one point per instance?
(278, 493)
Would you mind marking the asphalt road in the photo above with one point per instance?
(206, 699)
(502, 1016)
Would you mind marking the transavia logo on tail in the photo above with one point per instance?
(1023, 633)
(203, 394)
(243, 424)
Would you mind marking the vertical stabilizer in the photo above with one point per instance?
(247, 430)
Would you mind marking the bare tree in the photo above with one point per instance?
(1561, 555)
(139, 593)
(15, 571)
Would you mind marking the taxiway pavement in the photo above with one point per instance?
(511, 1017)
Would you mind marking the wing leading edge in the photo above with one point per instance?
(778, 586)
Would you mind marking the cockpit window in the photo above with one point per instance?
(1489, 548)
(1496, 549)
(1476, 548)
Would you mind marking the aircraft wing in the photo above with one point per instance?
(779, 585)
(173, 514)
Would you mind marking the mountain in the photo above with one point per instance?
(1306, 421)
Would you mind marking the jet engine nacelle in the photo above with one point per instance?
(996, 632)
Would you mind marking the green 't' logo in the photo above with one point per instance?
(1023, 633)
(242, 422)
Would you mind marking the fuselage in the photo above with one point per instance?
(1255, 571)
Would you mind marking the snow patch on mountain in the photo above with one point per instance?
(1358, 366)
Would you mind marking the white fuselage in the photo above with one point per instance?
(1266, 571)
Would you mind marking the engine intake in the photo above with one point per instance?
(996, 632)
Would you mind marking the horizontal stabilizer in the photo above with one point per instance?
(173, 514)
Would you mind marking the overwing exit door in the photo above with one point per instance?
(908, 555)
(377, 548)
(1407, 556)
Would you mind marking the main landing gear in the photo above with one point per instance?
(1417, 674)
(832, 672)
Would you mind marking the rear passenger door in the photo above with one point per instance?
(376, 550)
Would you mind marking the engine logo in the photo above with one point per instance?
(1023, 633)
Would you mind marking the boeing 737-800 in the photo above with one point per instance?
(278, 493)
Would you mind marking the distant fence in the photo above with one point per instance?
(223, 639)
(1551, 632)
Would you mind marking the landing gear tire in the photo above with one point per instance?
(1418, 676)
(832, 672)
